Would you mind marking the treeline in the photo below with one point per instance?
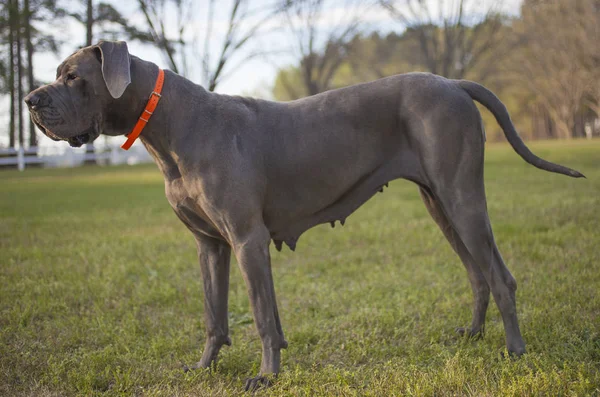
(544, 63)
(22, 37)
(16, 65)
(199, 51)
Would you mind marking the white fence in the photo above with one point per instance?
(19, 157)
(53, 156)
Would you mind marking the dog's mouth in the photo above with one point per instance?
(75, 141)
(79, 140)
(44, 130)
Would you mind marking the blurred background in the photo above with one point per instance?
(541, 57)
(100, 291)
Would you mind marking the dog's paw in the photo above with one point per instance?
(468, 332)
(513, 353)
(192, 367)
(258, 382)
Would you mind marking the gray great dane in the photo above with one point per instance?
(240, 172)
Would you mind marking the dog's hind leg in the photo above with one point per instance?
(214, 256)
(450, 141)
(464, 204)
(481, 290)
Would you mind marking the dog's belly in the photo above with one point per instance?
(302, 210)
(332, 153)
(341, 173)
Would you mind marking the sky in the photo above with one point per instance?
(254, 77)
(250, 78)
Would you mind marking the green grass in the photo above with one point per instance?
(101, 294)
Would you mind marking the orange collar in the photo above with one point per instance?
(150, 106)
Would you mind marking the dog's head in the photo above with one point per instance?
(88, 84)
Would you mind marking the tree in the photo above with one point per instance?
(18, 32)
(368, 58)
(589, 34)
(321, 46)
(103, 20)
(156, 13)
(30, 79)
(560, 58)
(373, 57)
(451, 38)
(19, 66)
(289, 84)
(242, 24)
(13, 26)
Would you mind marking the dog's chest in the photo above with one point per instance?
(188, 211)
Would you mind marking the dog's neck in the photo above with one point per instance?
(156, 136)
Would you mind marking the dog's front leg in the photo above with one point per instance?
(252, 252)
(214, 256)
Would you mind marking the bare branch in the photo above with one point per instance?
(306, 17)
(159, 36)
(447, 42)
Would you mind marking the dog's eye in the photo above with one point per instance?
(71, 76)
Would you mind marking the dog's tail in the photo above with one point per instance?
(494, 105)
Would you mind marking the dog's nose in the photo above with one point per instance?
(32, 100)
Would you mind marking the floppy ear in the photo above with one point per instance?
(115, 66)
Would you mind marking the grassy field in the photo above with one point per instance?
(101, 294)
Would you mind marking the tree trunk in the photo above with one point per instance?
(89, 23)
(564, 129)
(11, 73)
(19, 74)
(90, 157)
(30, 79)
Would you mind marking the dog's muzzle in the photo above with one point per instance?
(36, 120)
(75, 141)
(38, 104)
